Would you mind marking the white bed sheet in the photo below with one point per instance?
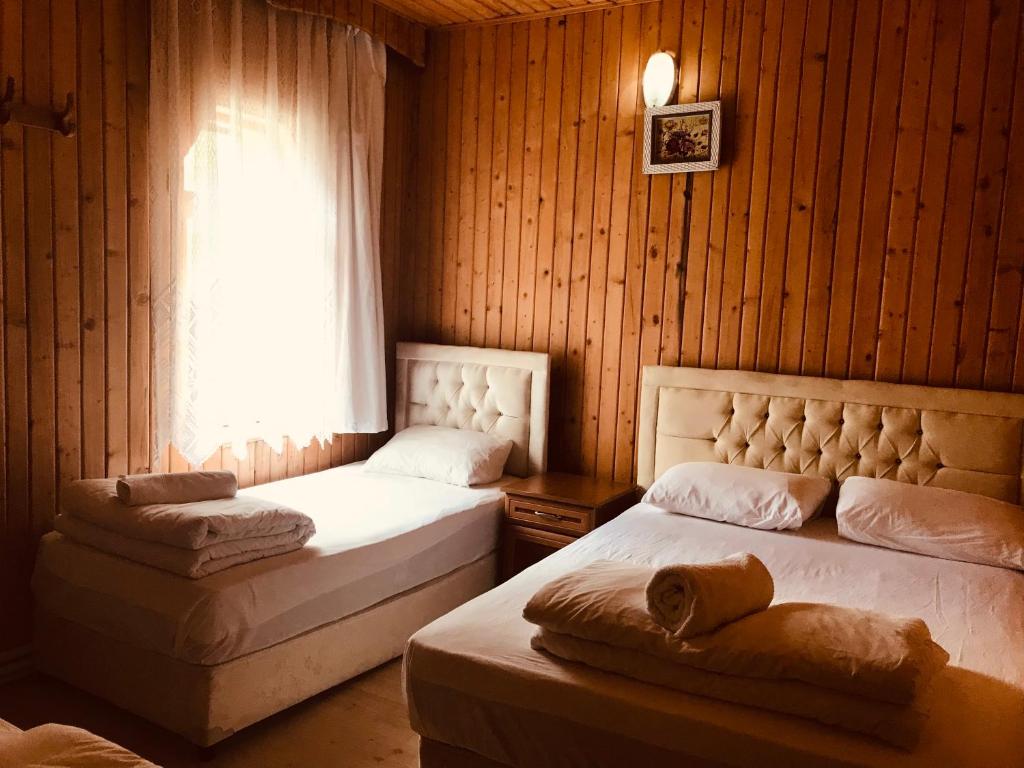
(474, 682)
(377, 536)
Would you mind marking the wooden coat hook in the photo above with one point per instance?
(37, 117)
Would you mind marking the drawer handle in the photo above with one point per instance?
(549, 516)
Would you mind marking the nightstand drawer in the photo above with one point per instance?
(522, 547)
(573, 520)
(546, 512)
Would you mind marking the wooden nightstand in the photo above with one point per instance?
(545, 512)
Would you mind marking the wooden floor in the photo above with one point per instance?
(360, 723)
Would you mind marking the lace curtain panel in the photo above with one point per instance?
(266, 155)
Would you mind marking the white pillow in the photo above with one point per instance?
(454, 456)
(953, 525)
(755, 498)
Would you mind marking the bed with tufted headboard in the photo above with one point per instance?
(951, 438)
(476, 666)
(497, 391)
(205, 658)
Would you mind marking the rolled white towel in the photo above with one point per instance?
(176, 487)
(693, 599)
(850, 650)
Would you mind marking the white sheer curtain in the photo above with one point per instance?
(266, 154)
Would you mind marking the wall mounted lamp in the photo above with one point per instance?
(659, 79)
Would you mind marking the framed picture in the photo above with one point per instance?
(682, 138)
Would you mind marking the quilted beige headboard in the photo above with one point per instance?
(487, 390)
(951, 438)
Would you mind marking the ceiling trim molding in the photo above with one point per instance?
(603, 5)
(404, 36)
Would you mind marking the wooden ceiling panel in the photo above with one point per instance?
(455, 13)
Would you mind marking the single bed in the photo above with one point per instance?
(377, 536)
(209, 656)
(479, 696)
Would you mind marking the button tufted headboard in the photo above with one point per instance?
(962, 439)
(488, 390)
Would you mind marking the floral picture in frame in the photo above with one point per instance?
(682, 138)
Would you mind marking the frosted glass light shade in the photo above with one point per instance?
(659, 79)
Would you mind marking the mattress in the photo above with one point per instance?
(473, 681)
(377, 536)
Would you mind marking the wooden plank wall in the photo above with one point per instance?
(865, 221)
(75, 340)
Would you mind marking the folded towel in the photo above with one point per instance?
(894, 724)
(190, 526)
(690, 600)
(176, 487)
(190, 563)
(853, 651)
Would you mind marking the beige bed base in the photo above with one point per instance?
(207, 704)
(962, 439)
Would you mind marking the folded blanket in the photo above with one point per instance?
(189, 526)
(894, 724)
(61, 746)
(176, 487)
(690, 600)
(190, 563)
(853, 651)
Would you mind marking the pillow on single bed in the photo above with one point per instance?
(728, 493)
(952, 525)
(453, 456)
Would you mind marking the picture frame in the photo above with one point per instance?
(682, 138)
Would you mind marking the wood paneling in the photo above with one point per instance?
(457, 13)
(74, 229)
(864, 222)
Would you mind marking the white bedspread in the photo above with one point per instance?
(474, 682)
(377, 536)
